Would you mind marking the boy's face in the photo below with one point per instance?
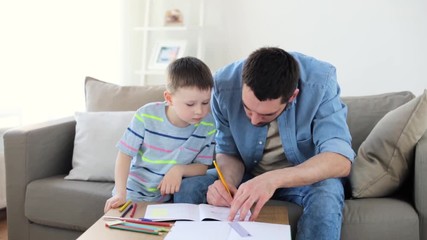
(190, 105)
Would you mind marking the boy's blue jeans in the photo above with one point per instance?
(322, 203)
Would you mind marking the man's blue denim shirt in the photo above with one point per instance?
(315, 121)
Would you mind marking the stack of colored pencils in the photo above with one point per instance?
(138, 225)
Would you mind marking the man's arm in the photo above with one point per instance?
(257, 191)
(320, 167)
(232, 169)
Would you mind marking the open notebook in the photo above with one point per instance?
(187, 211)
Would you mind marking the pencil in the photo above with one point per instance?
(148, 231)
(126, 211)
(136, 220)
(162, 224)
(146, 227)
(124, 206)
(221, 178)
(133, 210)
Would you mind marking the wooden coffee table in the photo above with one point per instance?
(269, 214)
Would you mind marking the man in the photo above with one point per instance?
(282, 134)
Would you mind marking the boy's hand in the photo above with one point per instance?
(114, 202)
(171, 181)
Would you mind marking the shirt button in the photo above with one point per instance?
(255, 161)
(260, 142)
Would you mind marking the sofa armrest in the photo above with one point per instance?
(420, 184)
(34, 152)
(39, 151)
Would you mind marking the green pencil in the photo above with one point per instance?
(132, 229)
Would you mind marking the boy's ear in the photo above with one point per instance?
(168, 97)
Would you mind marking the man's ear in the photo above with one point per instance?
(168, 97)
(294, 95)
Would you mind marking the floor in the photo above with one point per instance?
(3, 225)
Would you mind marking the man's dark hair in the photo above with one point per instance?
(188, 72)
(271, 73)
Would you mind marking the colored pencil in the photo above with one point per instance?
(124, 206)
(136, 220)
(133, 229)
(126, 211)
(162, 224)
(133, 210)
(144, 226)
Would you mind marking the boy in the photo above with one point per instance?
(169, 140)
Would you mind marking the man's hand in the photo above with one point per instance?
(171, 181)
(256, 191)
(218, 196)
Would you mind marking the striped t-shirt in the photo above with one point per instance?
(156, 145)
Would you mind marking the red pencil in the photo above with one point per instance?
(133, 210)
(163, 224)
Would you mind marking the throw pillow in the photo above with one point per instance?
(95, 151)
(364, 112)
(384, 158)
(104, 96)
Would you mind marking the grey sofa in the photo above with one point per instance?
(42, 205)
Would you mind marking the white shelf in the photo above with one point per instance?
(167, 28)
(152, 32)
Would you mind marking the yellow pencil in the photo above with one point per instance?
(221, 177)
(124, 206)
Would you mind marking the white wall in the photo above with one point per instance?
(377, 46)
(47, 47)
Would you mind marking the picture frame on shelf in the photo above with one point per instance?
(165, 52)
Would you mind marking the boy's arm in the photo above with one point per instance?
(188, 170)
(121, 173)
(172, 180)
(193, 169)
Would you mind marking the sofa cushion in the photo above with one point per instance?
(95, 151)
(364, 112)
(74, 205)
(103, 96)
(385, 157)
(368, 218)
(379, 218)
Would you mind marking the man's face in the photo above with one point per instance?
(260, 112)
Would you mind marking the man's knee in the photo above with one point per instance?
(326, 196)
(332, 186)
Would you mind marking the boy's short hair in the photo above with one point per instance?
(271, 73)
(188, 72)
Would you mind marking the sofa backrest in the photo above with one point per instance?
(364, 112)
(103, 96)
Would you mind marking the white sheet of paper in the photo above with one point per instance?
(215, 230)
